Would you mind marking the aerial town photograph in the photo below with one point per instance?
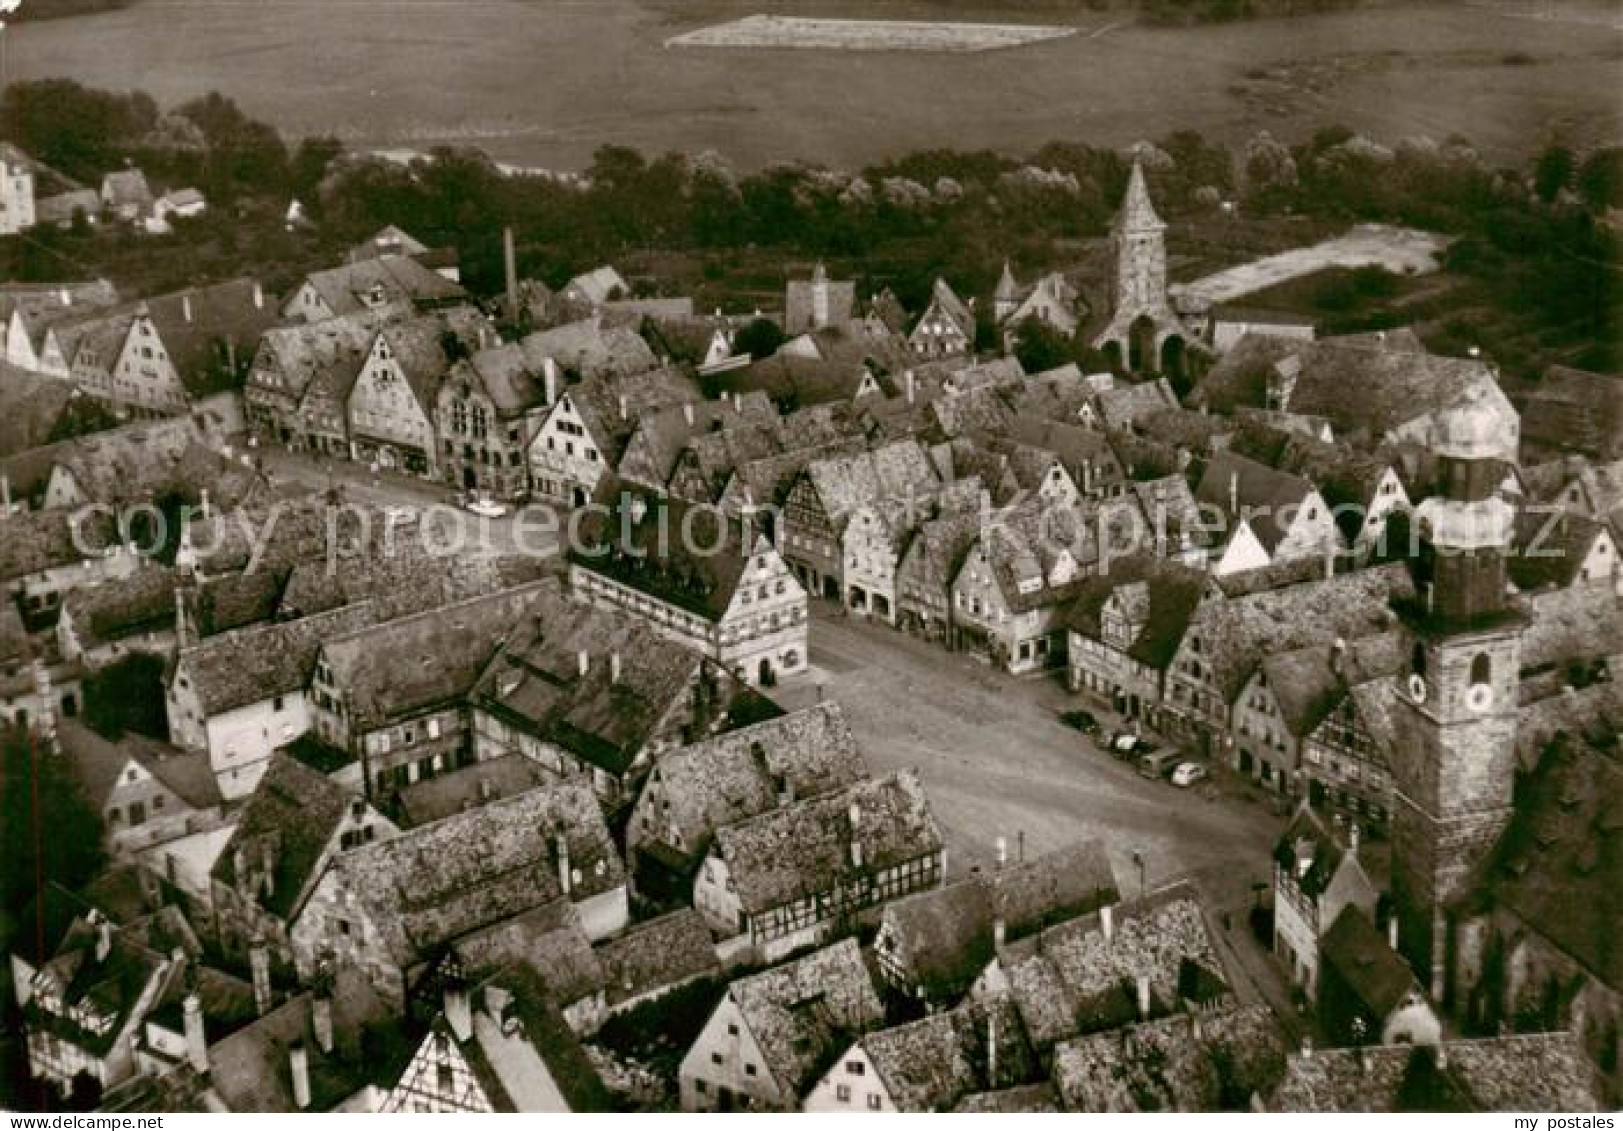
(818, 556)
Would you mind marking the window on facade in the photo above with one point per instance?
(874, 1101)
(1481, 669)
(842, 1092)
(715, 1058)
(749, 1070)
(855, 1067)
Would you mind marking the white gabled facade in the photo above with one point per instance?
(386, 421)
(566, 459)
(725, 1069)
(852, 1084)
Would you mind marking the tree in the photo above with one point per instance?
(760, 339)
(1600, 180)
(48, 831)
(127, 697)
(1552, 172)
(1039, 347)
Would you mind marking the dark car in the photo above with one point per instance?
(1080, 720)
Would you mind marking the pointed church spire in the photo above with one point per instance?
(1137, 213)
(1007, 288)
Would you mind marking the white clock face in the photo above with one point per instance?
(1480, 698)
(1417, 688)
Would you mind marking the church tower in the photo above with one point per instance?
(1454, 760)
(1143, 322)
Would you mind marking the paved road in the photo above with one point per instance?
(535, 529)
(997, 762)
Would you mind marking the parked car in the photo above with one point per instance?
(1126, 744)
(1157, 763)
(1080, 720)
(484, 506)
(1189, 773)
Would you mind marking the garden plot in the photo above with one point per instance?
(867, 35)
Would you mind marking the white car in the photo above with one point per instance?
(1188, 773)
(486, 507)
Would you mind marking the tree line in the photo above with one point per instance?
(1532, 239)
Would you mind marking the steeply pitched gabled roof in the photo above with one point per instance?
(788, 853)
(1366, 390)
(1191, 1062)
(1525, 1072)
(289, 820)
(944, 937)
(1235, 485)
(249, 1070)
(897, 471)
(432, 885)
(803, 1011)
(929, 1065)
(1172, 590)
(635, 678)
(368, 283)
(416, 663)
(1376, 975)
(328, 354)
(1076, 978)
(629, 544)
(1238, 632)
(97, 764)
(657, 956)
(740, 774)
(1558, 864)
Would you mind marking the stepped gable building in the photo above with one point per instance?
(1145, 333)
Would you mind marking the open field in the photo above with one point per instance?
(866, 35)
(545, 82)
(1402, 251)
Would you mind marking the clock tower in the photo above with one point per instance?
(1454, 762)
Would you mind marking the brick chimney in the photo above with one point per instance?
(1107, 922)
(583, 662)
(614, 667)
(1143, 997)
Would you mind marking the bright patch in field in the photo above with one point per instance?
(867, 35)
